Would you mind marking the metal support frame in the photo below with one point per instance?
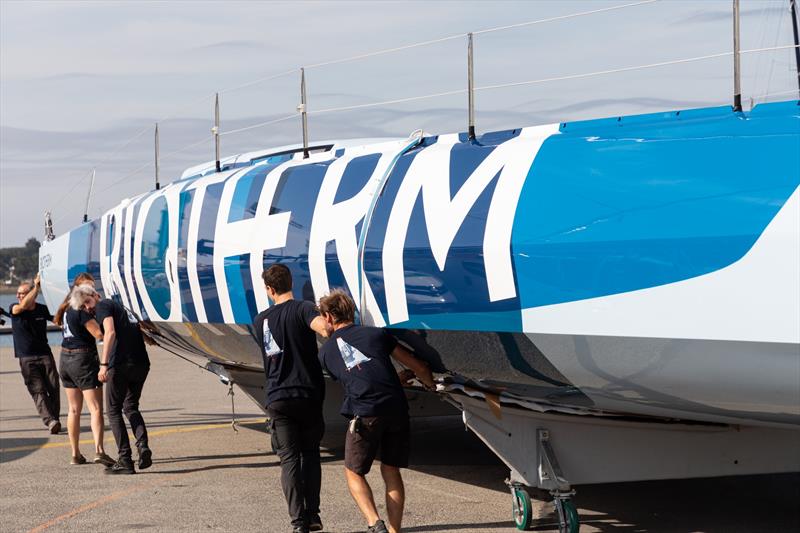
(215, 131)
(550, 475)
(737, 81)
(470, 88)
(303, 108)
(795, 30)
(89, 197)
(158, 184)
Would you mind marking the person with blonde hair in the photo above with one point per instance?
(79, 367)
(124, 365)
(360, 357)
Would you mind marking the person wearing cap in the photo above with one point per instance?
(29, 329)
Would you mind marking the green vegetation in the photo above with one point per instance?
(19, 263)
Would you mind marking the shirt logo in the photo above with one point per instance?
(351, 355)
(271, 347)
(67, 332)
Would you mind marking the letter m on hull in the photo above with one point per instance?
(429, 177)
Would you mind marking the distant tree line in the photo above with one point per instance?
(19, 263)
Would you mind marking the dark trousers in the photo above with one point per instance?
(297, 427)
(124, 387)
(41, 378)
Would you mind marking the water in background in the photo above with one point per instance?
(6, 339)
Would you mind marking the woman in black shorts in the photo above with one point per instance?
(78, 366)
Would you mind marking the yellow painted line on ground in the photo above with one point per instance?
(110, 438)
(102, 501)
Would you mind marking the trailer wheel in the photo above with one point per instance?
(569, 521)
(522, 508)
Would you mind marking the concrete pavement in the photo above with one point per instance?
(207, 477)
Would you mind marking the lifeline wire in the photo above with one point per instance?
(435, 95)
(563, 17)
(344, 60)
(98, 163)
(260, 80)
(259, 125)
(462, 35)
(192, 145)
(140, 168)
(386, 102)
(545, 80)
(627, 69)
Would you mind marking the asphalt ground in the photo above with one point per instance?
(206, 476)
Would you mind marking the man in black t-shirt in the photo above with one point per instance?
(374, 401)
(124, 365)
(295, 391)
(29, 329)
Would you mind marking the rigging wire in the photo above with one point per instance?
(777, 36)
(97, 164)
(338, 61)
(778, 93)
(764, 16)
(462, 35)
(420, 97)
(123, 178)
(141, 167)
(562, 17)
(259, 125)
(260, 80)
(183, 149)
(545, 80)
(628, 69)
(386, 102)
(385, 51)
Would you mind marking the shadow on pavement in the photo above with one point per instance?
(711, 505)
(30, 444)
(228, 466)
(460, 527)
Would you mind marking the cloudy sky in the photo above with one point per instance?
(82, 83)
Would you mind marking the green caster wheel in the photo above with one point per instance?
(522, 508)
(568, 520)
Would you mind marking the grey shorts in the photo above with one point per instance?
(79, 370)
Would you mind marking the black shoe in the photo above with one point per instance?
(378, 527)
(55, 427)
(314, 523)
(122, 466)
(145, 458)
(299, 529)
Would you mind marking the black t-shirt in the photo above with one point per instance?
(129, 346)
(289, 347)
(29, 329)
(76, 336)
(360, 357)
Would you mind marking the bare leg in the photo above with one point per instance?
(362, 494)
(94, 400)
(395, 496)
(75, 400)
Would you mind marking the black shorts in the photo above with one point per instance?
(79, 370)
(385, 437)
